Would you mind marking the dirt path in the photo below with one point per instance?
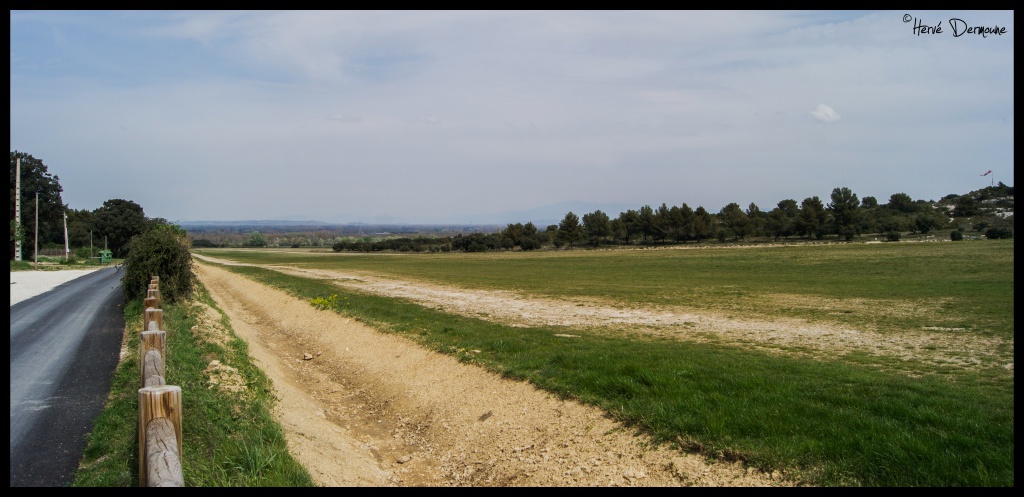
(371, 409)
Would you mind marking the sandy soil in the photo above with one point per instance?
(364, 408)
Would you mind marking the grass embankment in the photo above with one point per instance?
(828, 423)
(229, 439)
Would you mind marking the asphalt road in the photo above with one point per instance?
(64, 349)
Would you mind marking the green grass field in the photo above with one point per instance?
(945, 285)
(830, 422)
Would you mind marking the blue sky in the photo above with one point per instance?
(433, 116)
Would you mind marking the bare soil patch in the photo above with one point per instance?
(364, 408)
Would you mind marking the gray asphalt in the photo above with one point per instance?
(64, 350)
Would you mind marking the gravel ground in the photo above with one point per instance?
(28, 284)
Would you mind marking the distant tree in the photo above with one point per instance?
(36, 178)
(734, 220)
(515, 234)
(648, 228)
(596, 226)
(688, 217)
(255, 239)
(117, 221)
(868, 203)
(901, 202)
(775, 223)
(812, 218)
(662, 222)
(674, 224)
(845, 216)
(702, 223)
(569, 230)
(79, 227)
(631, 222)
(790, 208)
(756, 220)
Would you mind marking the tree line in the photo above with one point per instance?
(844, 217)
(112, 225)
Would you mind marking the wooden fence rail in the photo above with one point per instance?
(159, 403)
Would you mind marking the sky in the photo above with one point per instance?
(440, 116)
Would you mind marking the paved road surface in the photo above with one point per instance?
(64, 349)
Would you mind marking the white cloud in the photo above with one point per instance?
(825, 114)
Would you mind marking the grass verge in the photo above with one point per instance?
(229, 438)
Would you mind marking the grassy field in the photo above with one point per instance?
(901, 286)
(828, 422)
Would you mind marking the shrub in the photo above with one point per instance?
(162, 251)
(956, 235)
(893, 236)
(997, 233)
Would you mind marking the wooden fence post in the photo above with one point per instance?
(152, 350)
(153, 294)
(153, 315)
(160, 437)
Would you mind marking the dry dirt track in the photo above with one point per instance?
(371, 409)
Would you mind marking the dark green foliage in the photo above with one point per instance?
(734, 220)
(812, 218)
(997, 233)
(892, 236)
(956, 235)
(162, 251)
(569, 231)
(117, 221)
(929, 220)
(901, 202)
(36, 178)
(597, 226)
(845, 214)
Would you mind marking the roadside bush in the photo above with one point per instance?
(164, 252)
(956, 236)
(893, 236)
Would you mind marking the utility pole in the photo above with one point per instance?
(17, 209)
(35, 251)
(67, 248)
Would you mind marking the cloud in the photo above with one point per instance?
(825, 114)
